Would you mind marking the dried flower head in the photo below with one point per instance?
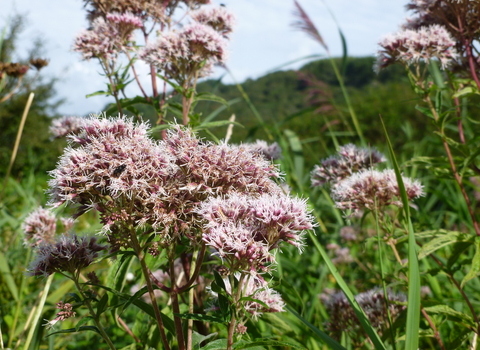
(39, 227)
(68, 254)
(344, 319)
(372, 189)
(65, 313)
(349, 160)
(38, 63)
(219, 18)
(412, 46)
(66, 125)
(15, 70)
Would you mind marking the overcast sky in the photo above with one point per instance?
(263, 39)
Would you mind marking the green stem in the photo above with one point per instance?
(176, 307)
(93, 314)
(193, 265)
(236, 298)
(145, 271)
(382, 272)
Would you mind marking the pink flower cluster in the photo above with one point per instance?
(244, 229)
(68, 254)
(372, 189)
(344, 319)
(257, 288)
(40, 227)
(66, 125)
(108, 37)
(350, 159)
(183, 53)
(412, 46)
(219, 18)
(271, 152)
(112, 164)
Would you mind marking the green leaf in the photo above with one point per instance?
(220, 109)
(208, 96)
(96, 93)
(160, 128)
(298, 160)
(219, 344)
(465, 91)
(198, 338)
(243, 344)
(413, 308)
(83, 321)
(219, 280)
(200, 317)
(332, 343)
(475, 269)
(216, 124)
(444, 239)
(7, 276)
(425, 111)
(451, 314)
(74, 330)
(102, 304)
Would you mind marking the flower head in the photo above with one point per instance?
(40, 227)
(344, 319)
(66, 125)
(245, 229)
(271, 152)
(412, 46)
(350, 159)
(68, 254)
(257, 288)
(183, 53)
(107, 38)
(372, 189)
(219, 18)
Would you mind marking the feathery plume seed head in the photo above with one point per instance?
(68, 254)
(349, 160)
(412, 46)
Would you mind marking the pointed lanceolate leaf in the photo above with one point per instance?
(444, 239)
(475, 269)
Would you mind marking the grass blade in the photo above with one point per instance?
(413, 308)
(372, 333)
(332, 343)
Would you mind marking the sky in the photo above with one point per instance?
(263, 40)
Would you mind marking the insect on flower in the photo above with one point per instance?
(119, 170)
